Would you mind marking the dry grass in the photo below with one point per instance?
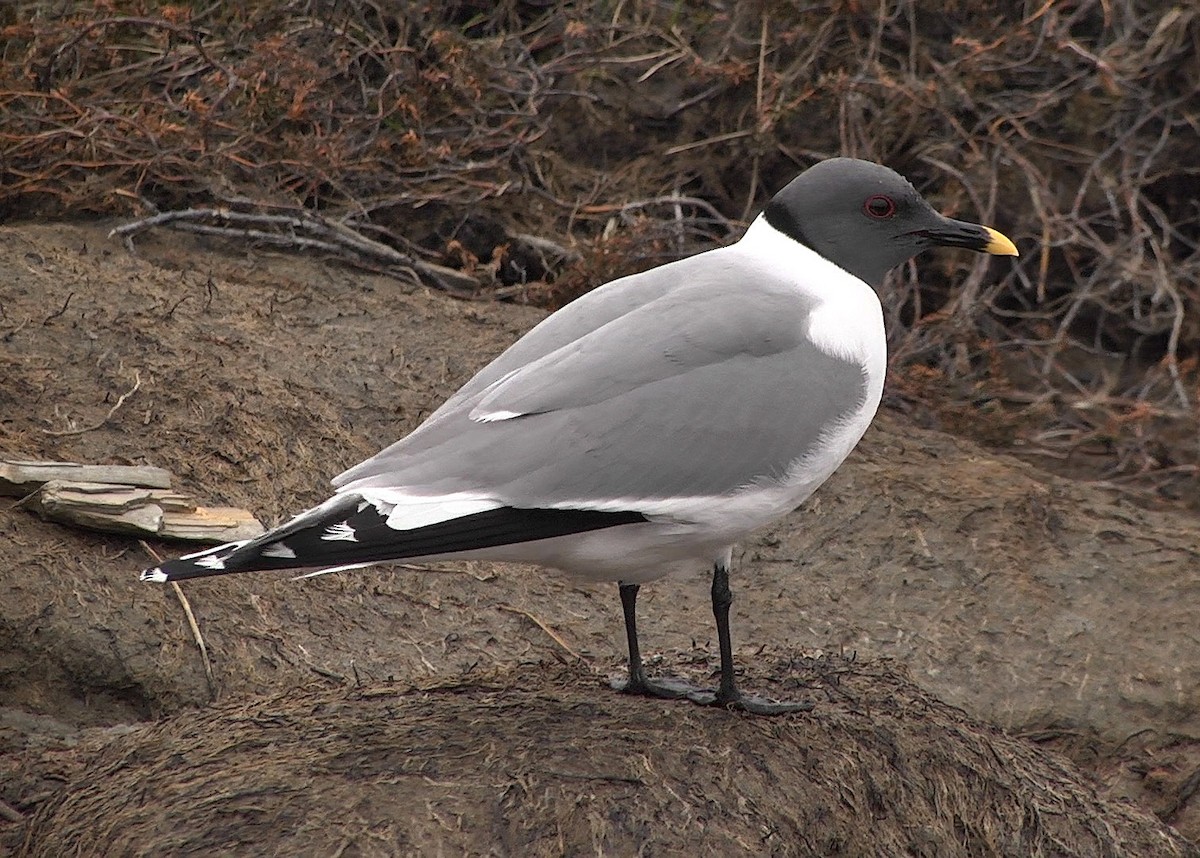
(461, 135)
(541, 762)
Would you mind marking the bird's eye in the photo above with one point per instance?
(880, 207)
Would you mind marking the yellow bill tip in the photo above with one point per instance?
(999, 244)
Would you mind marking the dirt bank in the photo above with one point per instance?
(1052, 609)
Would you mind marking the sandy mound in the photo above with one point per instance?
(543, 762)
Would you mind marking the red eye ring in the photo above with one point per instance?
(879, 207)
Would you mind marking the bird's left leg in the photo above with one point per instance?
(727, 694)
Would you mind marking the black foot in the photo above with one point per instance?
(749, 703)
(666, 688)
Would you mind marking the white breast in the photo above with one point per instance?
(847, 322)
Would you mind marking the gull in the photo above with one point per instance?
(652, 423)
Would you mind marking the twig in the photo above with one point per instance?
(59, 433)
(189, 33)
(763, 125)
(671, 200)
(708, 141)
(60, 311)
(8, 335)
(192, 624)
(541, 625)
(546, 246)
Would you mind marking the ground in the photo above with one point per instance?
(1002, 661)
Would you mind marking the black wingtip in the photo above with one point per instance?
(201, 564)
(357, 534)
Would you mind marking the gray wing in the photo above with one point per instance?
(582, 316)
(579, 318)
(680, 333)
(700, 391)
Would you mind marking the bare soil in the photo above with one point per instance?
(1004, 662)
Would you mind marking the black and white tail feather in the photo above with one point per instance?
(348, 532)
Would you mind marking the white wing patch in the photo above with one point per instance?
(479, 416)
(227, 548)
(343, 532)
(333, 569)
(279, 550)
(211, 562)
(408, 512)
(481, 413)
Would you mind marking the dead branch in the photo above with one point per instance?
(282, 230)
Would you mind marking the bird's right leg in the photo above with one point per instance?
(670, 689)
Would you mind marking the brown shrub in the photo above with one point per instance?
(1069, 125)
